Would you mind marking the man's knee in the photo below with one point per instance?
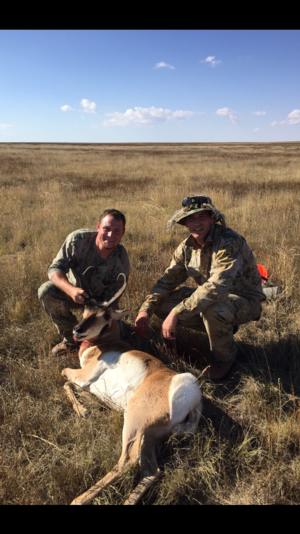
(45, 290)
(220, 312)
(167, 303)
(50, 295)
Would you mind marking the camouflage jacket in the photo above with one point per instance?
(225, 264)
(80, 260)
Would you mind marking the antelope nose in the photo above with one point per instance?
(76, 337)
(75, 331)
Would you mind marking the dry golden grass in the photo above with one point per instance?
(247, 447)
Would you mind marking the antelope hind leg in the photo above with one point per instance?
(94, 490)
(148, 466)
(129, 457)
(141, 488)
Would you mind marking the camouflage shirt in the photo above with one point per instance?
(225, 264)
(80, 260)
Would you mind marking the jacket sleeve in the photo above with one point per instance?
(65, 257)
(226, 264)
(173, 276)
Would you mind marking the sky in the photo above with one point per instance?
(127, 86)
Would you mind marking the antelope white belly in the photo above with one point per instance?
(121, 374)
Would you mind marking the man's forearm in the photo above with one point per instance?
(150, 303)
(59, 279)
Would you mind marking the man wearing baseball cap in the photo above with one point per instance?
(228, 291)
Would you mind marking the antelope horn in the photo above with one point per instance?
(118, 293)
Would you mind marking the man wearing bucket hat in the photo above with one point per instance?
(229, 291)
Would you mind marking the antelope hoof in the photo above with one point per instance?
(64, 372)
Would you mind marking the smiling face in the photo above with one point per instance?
(199, 225)
(110, 233)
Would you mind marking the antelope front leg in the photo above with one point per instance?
(78, 408)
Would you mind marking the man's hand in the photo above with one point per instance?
(169, 326)
(142, 324)
(78, 295)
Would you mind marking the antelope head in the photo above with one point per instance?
(98, 317)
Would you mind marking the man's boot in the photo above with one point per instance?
(219, 370)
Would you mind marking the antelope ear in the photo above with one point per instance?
(118, 314)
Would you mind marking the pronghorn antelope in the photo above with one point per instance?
(156, 400)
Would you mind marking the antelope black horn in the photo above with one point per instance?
(118, 293)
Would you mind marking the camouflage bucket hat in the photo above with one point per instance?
(195, 204)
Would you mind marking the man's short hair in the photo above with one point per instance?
(116, 214)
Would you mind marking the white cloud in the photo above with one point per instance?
(278, 123)
(5, 126)
(211, 60)
(140, 115)
(294, 117)
(228, 113)
(255, 130)
(87, 105)
(163, 65)
(259, 113)
(65, 108)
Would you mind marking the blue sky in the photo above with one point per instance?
(149, 85)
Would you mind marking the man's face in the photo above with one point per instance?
(199, 225)
(110, 233)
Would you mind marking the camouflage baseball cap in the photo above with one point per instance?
(191, 205)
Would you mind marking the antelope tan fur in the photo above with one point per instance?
(156, 400)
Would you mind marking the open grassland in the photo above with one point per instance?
(247, 448)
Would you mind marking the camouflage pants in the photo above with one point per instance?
(218, 320)
(58, 306)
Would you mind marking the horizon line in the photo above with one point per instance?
(143, 142)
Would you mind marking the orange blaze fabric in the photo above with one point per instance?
(263, 271)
